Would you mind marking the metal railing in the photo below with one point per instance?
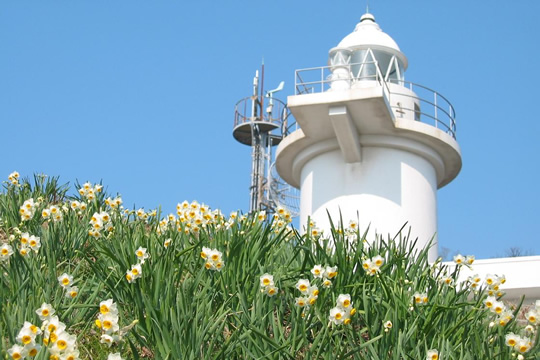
(434, 108)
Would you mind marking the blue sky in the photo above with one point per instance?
(141, 95)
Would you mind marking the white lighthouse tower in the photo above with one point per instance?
(370, 146)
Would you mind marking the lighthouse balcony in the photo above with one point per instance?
(260, 115)
(407, 100)
(335, 109)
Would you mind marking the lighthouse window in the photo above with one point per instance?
(365, 62)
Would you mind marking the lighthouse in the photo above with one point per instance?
(369, 145)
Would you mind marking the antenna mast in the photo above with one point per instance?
(262, 129)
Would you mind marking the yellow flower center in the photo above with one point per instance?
(103, 309)
(346, 303)
(215, 257)
(332, 274)
(65, 281)
(338, 316)
(347, 321)
(98, 323)
(353, 311)
(208, 266)
(26, 339)
(73, 293)
(312, 301)
(434, 357)
(16, 356)
(4, 251)
(33, 352)
(302, 287)
(135, 271)
(107, 324)
(51, 328)
(512, 342)
(266, 282)
(62, 344)
(45, 312)
(140, 253)
(272, 291)
(53, 337)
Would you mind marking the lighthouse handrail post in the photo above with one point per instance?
(435, 109)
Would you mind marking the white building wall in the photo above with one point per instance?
(388, 188)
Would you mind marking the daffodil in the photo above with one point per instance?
(142, 255)
(16, 352)
(108, 306)
(5, 252)
(267, 280)
(337, 315)
(303, 285)
(344, 301)
(432, 354)
(318, 271)
(65, 280)
(45, 311)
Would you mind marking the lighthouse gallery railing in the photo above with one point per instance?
(434, 108)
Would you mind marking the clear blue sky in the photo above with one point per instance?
(141, 94)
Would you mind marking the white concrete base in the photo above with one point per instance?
(522, 275)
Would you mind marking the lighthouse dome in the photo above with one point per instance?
(368, 34)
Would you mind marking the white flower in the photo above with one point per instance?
(267, 280)
(5, 252)
(318, 271)
(45, 311)
(459, 259)
(303, 285)
(432, 354)
(142, 255)
(337, 315)
(108, 306)
(65, 280)
(107, 339)
(330, 272)
(344, 301)
(115, 356)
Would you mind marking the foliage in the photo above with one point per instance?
(196, 284)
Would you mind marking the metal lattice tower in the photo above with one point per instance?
(260, 121)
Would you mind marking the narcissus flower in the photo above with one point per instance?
(5, 252)
(318, 271)
(45, 311)
(17, 352)
(330, 272)
(65, 280)
(108, 306)
(142, 254)
(344, 301)
(432, 354)
(337, 315)
(303, 285)
(267, 280)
